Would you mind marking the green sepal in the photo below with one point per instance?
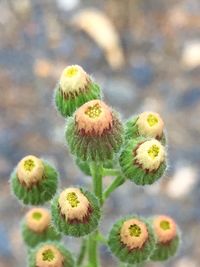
(68, 258)
(66, 107)
(40, 193)
(133, 256)
(163, 252)
(133, 171)
(79, 228)
(32, 238)
(131, 131)
(95, 148)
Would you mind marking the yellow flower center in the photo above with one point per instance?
(152, 120)
(73, 199)
(37, 216)
(165, 225)
(153, 151)
(135, 230)
(48, 255)
(70, 71)
(93, 111)
(29, 164)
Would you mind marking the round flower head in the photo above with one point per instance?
(34, 181)
(37, 227)
(95, 132)
(167, 239)
(74, 89)
(147, 124)
(143, 160)
(50, 254)
(75, 212)
(131, 240)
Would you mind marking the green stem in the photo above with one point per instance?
(82, 252)
(119, 180)
(92, 250)
(101, 239)
(96, 171)
(111, 172)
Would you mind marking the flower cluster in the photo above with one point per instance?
(101, 145)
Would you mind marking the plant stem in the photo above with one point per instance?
(96, 171)
(110, 172)
(92, 250)
(116, 183)
(82, 252)
(101, 239)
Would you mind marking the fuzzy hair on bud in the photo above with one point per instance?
(131, 240)
(143, 160)
(95, 133)
(50, 254)
(76, 212)
(167, 237)
(147, 124)
(37, 227)
(34, 181)
(74, 89)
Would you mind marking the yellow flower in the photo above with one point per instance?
(38, 219)
(73, 79)
(150, 154)
(30, 170)
(94, 117)
(133, 234)
(165, 228)
(49, 256)
(74, 205)
(150, 124)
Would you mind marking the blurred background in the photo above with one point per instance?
(146, 56)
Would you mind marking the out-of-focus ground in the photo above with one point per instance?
(146, 57)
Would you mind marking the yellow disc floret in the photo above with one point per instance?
(30, 170)
(49, 256)
(165, 228)
(73, 199)
(70, 71)
(73, 79)
(150, 155)
(94, 117)
(94, 111)
(153, 151)
(150, 124)
(73, 204)
(133, 234)
(38, 219)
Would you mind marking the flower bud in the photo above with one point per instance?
(50, 254)
(34, 181)
(75, 212)
(131, 240)
(74, 89)
(95, 132)
(37, 228)
(167, 239)
(147, 124)
(143, 160)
